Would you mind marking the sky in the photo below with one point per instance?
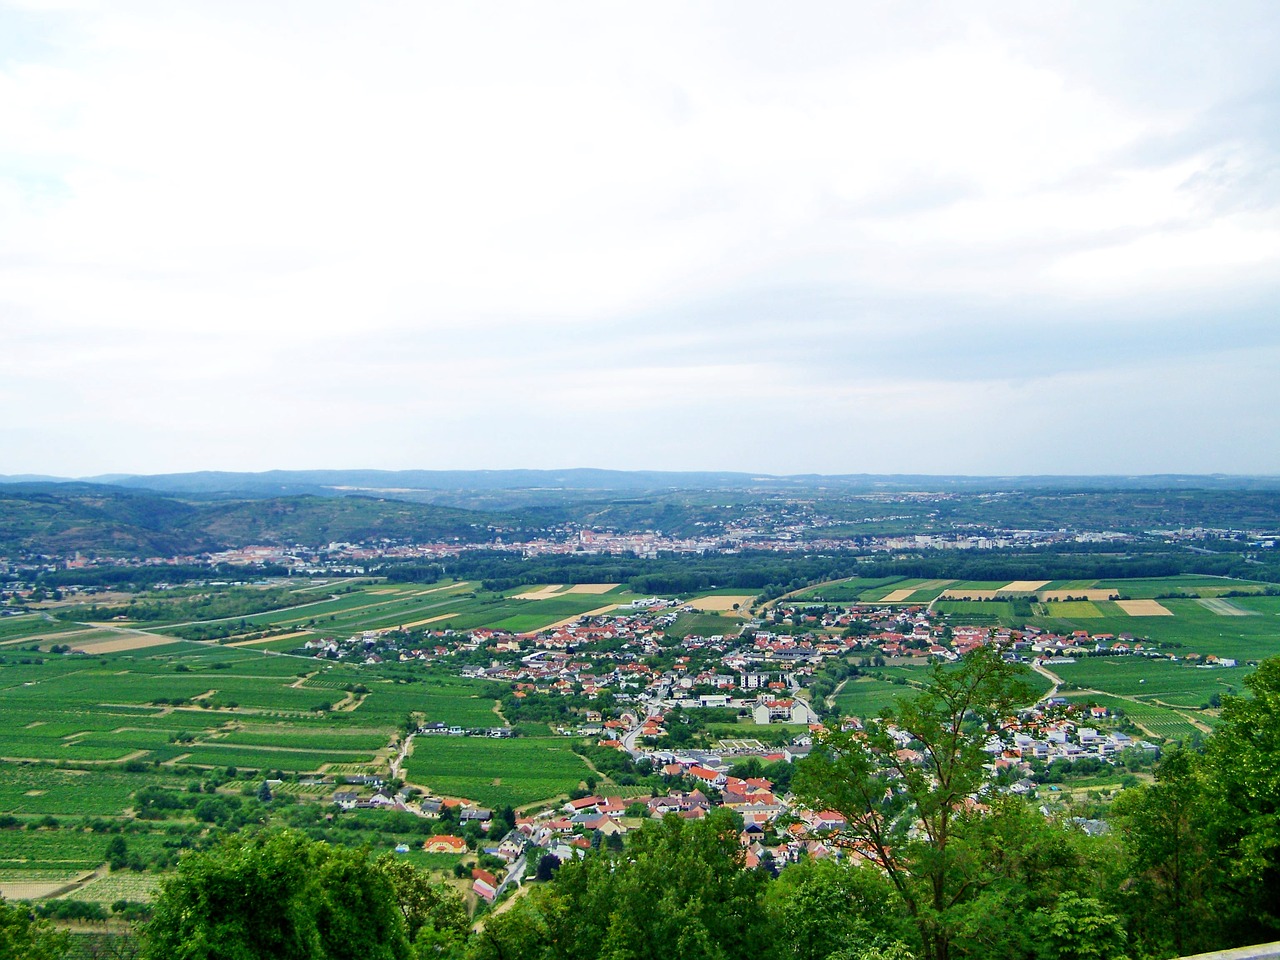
(978, 238)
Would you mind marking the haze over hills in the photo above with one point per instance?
(410, 484)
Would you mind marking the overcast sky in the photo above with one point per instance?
(814, 237)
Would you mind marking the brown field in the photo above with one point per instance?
(897, 596)
(542, 593)
(591, 588)
(133, 641)
(1023, 586)
(1077, 594)
(719, 604)
(31, 890)
(1144, 608)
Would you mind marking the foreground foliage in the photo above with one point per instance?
(283, 896)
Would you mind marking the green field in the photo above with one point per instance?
(867, 696)
(852, 590)
(1161, 722)
(1176, 684)
(496, 772)
(704, 624)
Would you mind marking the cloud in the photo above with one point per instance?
(437, 219)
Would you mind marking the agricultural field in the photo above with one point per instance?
(851, 590)
(496, 772)
(867, 696)
(704, 624)
(1160, 681)
(1159, 722)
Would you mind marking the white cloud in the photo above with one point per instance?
(678, 212)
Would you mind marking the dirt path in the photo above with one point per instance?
(1049, 675)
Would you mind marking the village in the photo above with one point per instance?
(622, 683)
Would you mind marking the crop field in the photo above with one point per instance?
(134, 887)
(1177, 684)
(65, 849)
(290, 761)
(1190, 584)
(866, 696)
(495, 772)
(1192, 628)
(704, 624)
(40, 789)
(1158, 721)
(28, 627)
(852, 590)
(1071, 609)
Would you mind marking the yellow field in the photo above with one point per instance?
(30, 890)
(898, 595)
(130, 641)
(719, 604)
(1023, 586)
(1144, 608)
(591, 588)
(1077, 594)
(542, 593)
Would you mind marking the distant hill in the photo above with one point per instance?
(61, 518)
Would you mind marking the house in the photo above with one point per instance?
(769, 709)
(445, 843)
(485, 884)
(346, 799)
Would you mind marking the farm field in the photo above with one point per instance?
(850, 591)
(867, 696)
(495, 772)
(1158, 721)
(1175, 684)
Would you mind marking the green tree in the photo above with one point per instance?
(1162, 826)
(818, 908)
(433, 913)
(23, 937)
(1242, 792)
(679, 891)
(903, 807)
(276, 895)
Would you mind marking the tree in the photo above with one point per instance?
(679, 891)
(276, 894)
(1162, 828)
(432, 912)
(818, 908)
(23, 937)
(902, 807)
(1242, 793)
